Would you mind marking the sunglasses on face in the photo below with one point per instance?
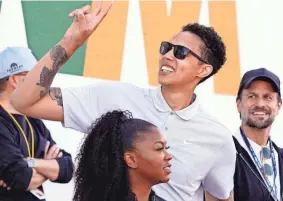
(265, 155)
(179, 51)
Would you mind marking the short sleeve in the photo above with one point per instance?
(82, 106)
(219, 181)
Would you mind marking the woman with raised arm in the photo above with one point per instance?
(121, 159)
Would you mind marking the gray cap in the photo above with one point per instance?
(14, 60)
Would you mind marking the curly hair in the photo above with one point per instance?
(214, 51)
(102, 173)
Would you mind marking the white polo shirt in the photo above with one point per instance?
(203, 150)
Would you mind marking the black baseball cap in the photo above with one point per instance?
(259, 74)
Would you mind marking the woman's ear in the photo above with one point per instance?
(131, 160)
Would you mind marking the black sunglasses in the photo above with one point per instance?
(180, 52)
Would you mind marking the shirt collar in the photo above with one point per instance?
(257, 148)
(161, 105)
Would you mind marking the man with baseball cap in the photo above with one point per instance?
(28, 154)
(259, 172)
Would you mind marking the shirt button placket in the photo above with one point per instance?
(168, 120)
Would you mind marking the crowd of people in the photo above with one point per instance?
(141, 144)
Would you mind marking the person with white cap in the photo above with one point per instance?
(29, 156)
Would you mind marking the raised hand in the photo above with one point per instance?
(85, 22)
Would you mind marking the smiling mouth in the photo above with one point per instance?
(167, 69)
(259, 114)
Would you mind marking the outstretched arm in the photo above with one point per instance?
(34, 96)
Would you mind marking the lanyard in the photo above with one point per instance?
(259, 164)
(30, 152)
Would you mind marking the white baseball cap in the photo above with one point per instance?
(14, 60)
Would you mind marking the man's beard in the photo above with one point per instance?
(258, 123)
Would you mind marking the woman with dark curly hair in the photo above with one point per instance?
(121, 159)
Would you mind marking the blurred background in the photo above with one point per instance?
(125, 48)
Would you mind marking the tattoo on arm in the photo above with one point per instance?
(59, 57)
(56, 94)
